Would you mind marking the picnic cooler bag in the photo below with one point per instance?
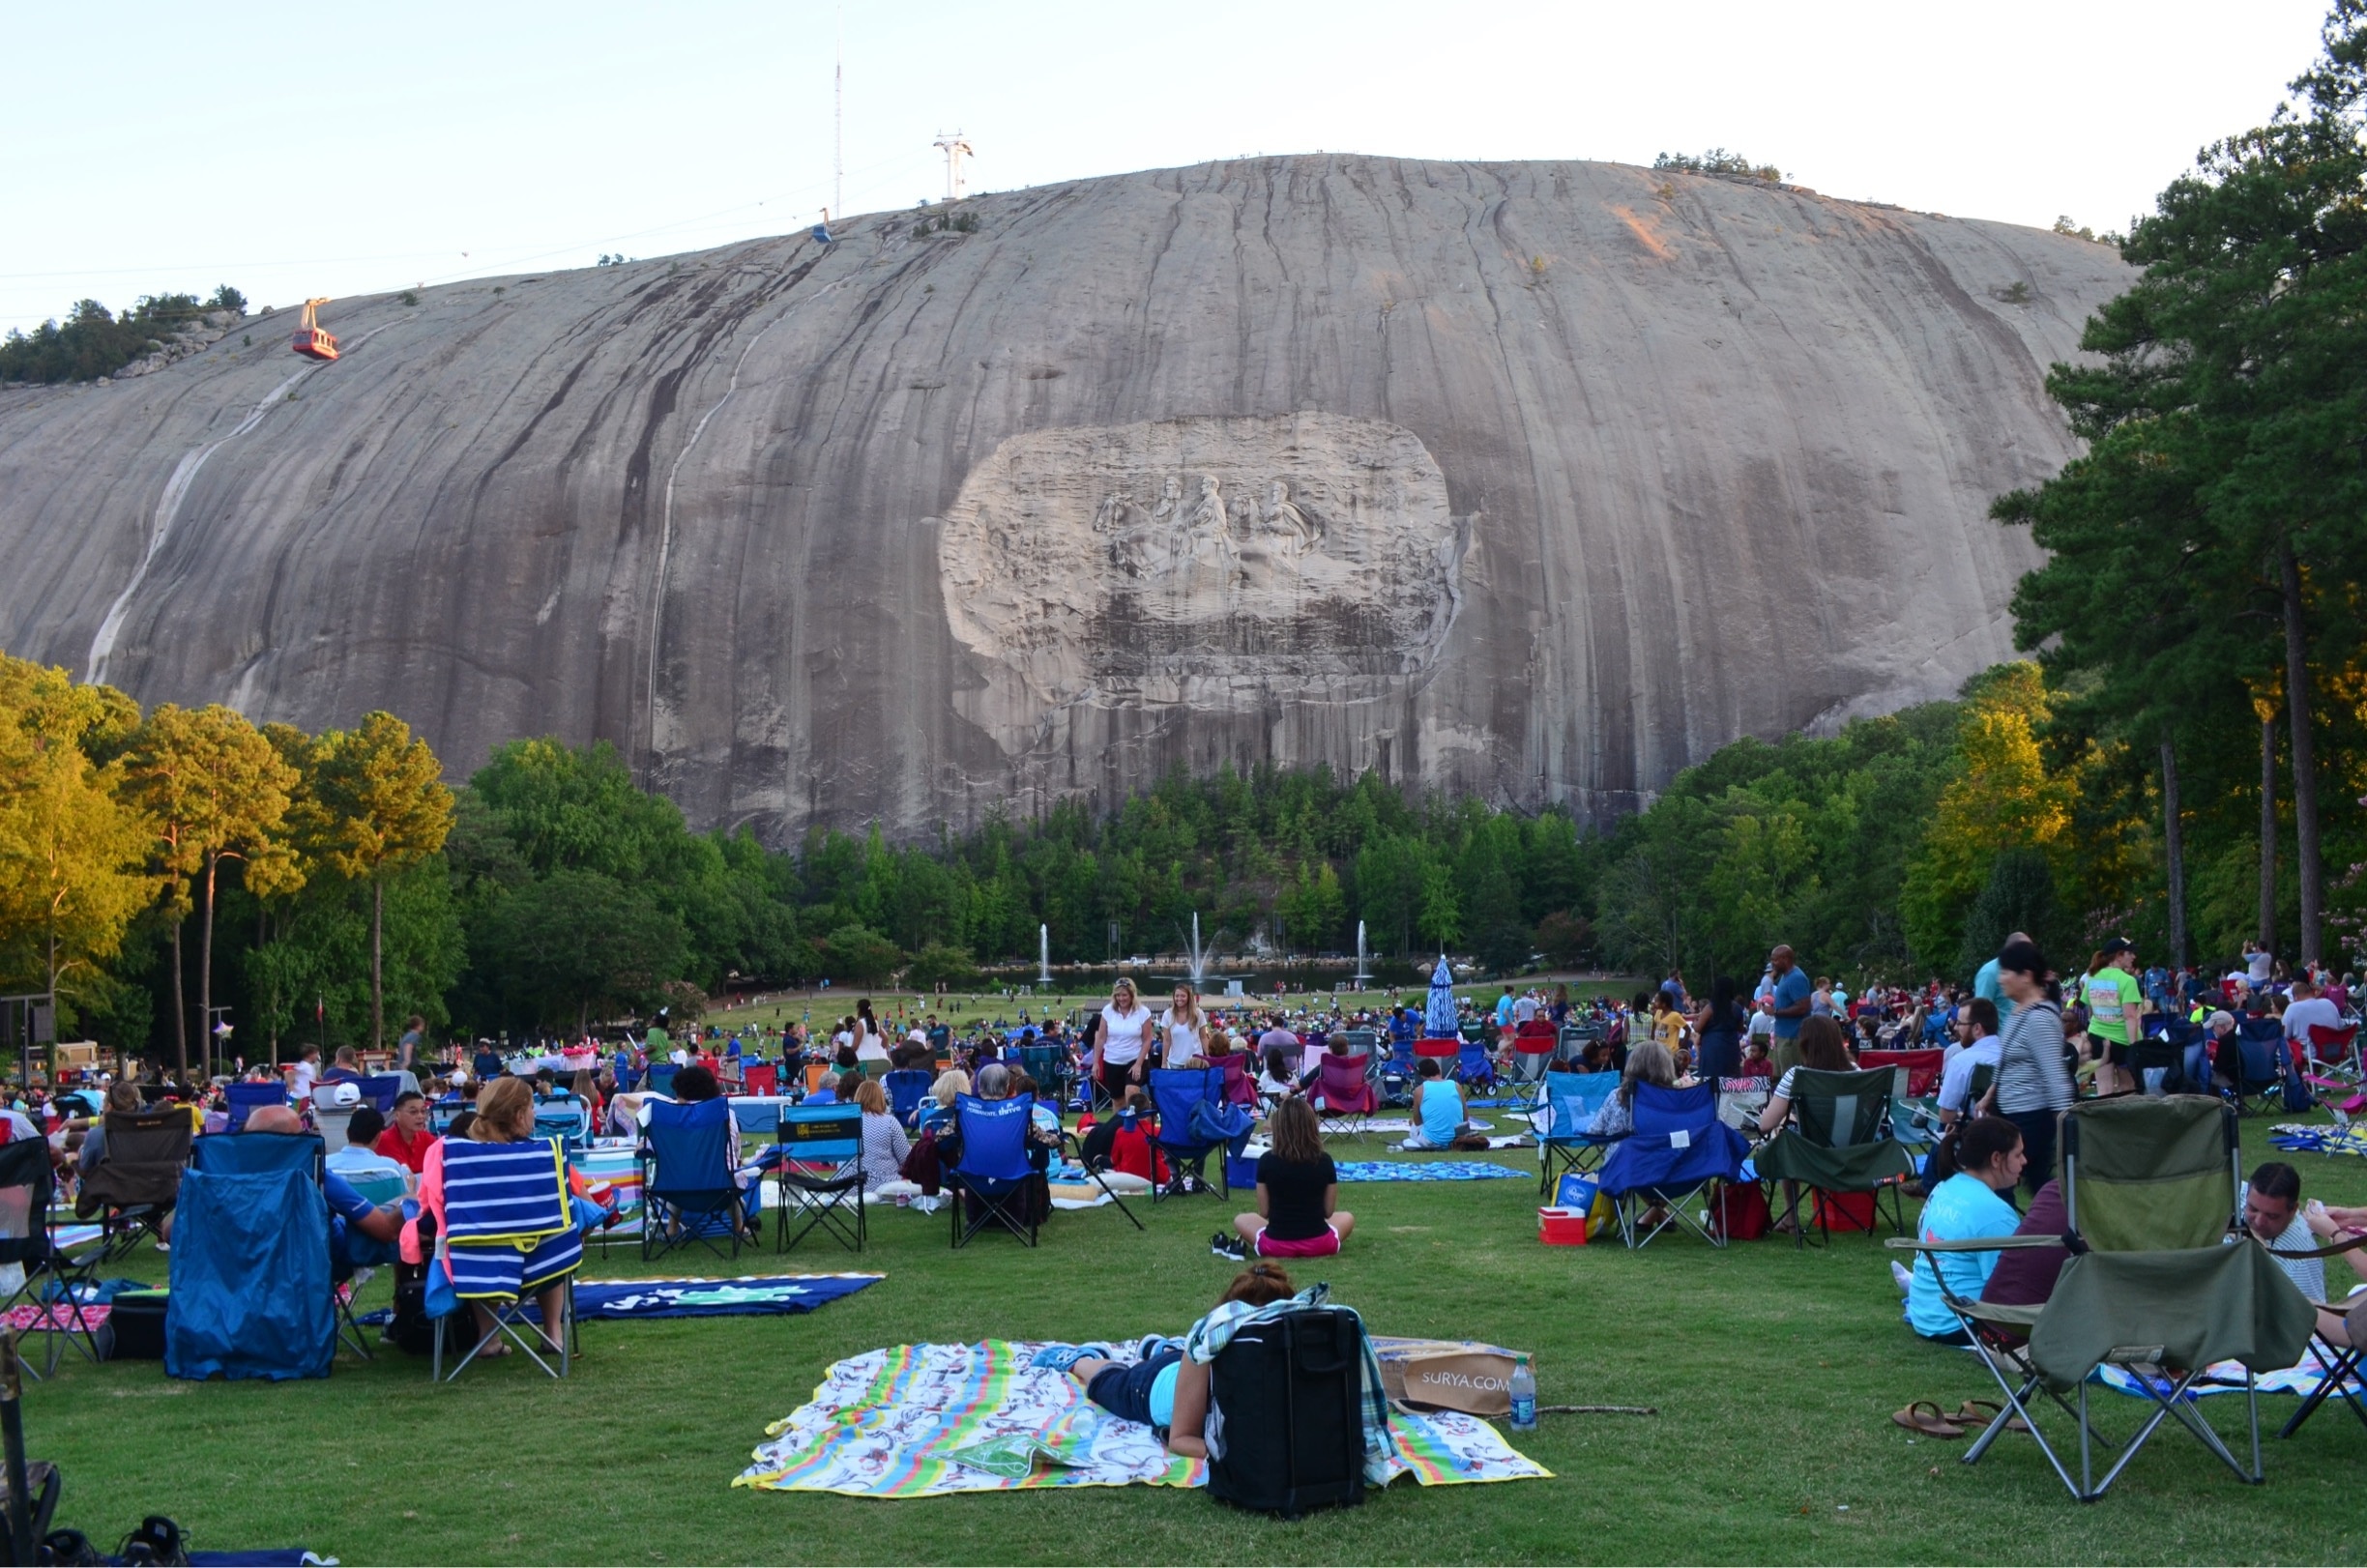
(1285, 1431)
(1740, 1211)
(137, 1317)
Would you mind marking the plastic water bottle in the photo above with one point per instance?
(1524, 1396)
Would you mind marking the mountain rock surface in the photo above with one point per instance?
(1540, 480)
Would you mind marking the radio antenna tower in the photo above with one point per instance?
(838, 122)
(955, 150)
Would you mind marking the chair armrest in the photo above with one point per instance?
(1992, 1243)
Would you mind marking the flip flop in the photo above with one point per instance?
(1979, 1412)
(1931, 1425)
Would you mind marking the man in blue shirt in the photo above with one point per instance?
(1791, 990)
(1985, 983)
(362, 1234)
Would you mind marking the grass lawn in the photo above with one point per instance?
(1774, 1373)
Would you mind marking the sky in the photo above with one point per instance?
(342, 150)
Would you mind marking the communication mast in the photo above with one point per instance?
(838, 122)
(955, 150)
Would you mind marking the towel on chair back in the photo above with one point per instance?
(249, 1278)
(508, 1223)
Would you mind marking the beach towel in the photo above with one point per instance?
(2228, 1378)
(2301, 1138)
(927, 1420)
(757, 1295)
(1429, 1171)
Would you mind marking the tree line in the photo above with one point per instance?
(94, 342)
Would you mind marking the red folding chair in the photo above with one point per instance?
(760, 1077)
(2332, 1057)
(1923, 1067)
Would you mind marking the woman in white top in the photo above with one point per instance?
(1118, 1052)
(1185, 1028)
(870, 1045)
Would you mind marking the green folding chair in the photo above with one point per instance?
(2149, 1190)
(1834, 1144)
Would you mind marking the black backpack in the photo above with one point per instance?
(1285, 1423)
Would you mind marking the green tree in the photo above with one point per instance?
(72, 853)
(380, 806)
(577, 940)
(858, 955)
(213, 790)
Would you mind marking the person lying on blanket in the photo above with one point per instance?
(1297, 1191)
(1166, 1389)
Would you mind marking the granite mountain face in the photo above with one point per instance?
(1539, 480)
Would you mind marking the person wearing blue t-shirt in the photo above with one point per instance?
(1969, 1206)
(1440, 1112)
(1788, 984)
(1985, 983)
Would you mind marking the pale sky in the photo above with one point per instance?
(345, 150)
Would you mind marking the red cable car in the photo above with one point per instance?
(310, 341)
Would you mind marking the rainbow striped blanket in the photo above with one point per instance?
(925, 1420)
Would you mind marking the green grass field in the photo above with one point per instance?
(1774, 1373)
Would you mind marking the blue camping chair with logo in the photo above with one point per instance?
(662, 1077)
(690, 1195)
(1176, 1095)
(992, 1176)
(1396, 1077)
(245, 1099)
(253, 1281)
(564, 1116)
(906, 1088)
(1680, 1151)
(509, 1232)
(2260, 1063)
(1566, 1107)
(818, 1152)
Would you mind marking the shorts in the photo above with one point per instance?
(2100, 1049)
(1326, 1245)
(1125, 1391)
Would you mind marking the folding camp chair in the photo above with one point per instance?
(378, 1091)
(305, 1155)
(1474, 1068)
(137, 1179)
(1923, 1067)
(2261, 1064)
(1915, 1118)
(662, 1077)
(1175, 1093)
(1532, 1051)
(820, 1170)
(2150, 1198)
(992, 1176)
(1679, 1152)
(510, 1234)
(2330, 1057)
(1238, 1087)
(562, 1117)
(2341, 1363)
(1834, 1144)
(760, 1078)
(1355, 1042)
(2193, 1045)
(1565, 1106)
(906, 1090)
(1570, 1043)
(1341, 1092)
(2159, 1068)
(245, 1099)
(1049, 1066)
(688, 1190)
(53, 1280)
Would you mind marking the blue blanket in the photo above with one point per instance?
(1434, 1170)
(757, 1295)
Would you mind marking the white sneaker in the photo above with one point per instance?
(1901, 1276)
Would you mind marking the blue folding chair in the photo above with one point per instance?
(379, 1090)
(688, 1190)
(818, 1152)
(990, 1179)
(1176, 1092)
(562, 1117)
(510, 1234)
(1678, 1151)
(907, 1087)
(2262, 1062)
(254, 1273)
(1397, 1074)
(1474, 1066)
(1567, 1103)
(245, 1099)
(662, 1077)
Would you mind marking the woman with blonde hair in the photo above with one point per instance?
(498, 1266)
(1648, 1063)
(884, 1145)
(1184, 1030)
(1122, 1042)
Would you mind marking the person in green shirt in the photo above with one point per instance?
(2116, 1011)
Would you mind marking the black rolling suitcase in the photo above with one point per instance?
(1285, 1431)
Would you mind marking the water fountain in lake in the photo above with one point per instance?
(1044, 955)
(1364, 969)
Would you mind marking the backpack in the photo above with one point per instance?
(1285, 1422)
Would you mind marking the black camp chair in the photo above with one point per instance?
(137, 1179)
(28, 1239)
(820, 1159)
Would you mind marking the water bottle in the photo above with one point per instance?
(1524, 1396)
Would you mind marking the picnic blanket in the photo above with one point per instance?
(927, 1420)
(2228, 1378)
(756, 1295)
(1427, 1171)
(2300, 1138)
